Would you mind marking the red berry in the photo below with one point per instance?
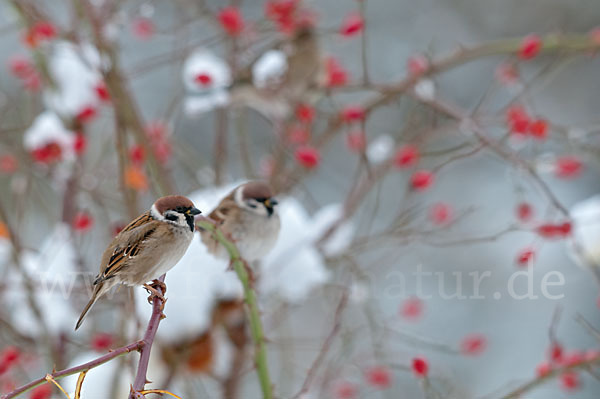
(102, 342)
(412, 309)
(82, 222)
(556, 352)
(543, 369)
(352, 25)
(440, 213)
(530, 47)
(525, 257)
(143, 28)
(570, 381)
(102, 92)
(473, 344)
(356, 141)
(231, 20)
(49, 153)
(40, 31)
(345, 390)
(336, 75)
(41, 392)
(420, 367)
(524, 212)
(20, 66)
(305, 113)
(421, 180)
(567, 167)
(10, 355)
(308, 156)
(353, 113)
(86, 114)
(406, 156)
(518, 119)
(379, 377)
(539, 129)
(572, 358)
(203, 79)
(80, 143)
(137, 154)
(417, 64)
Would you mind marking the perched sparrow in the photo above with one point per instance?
(146, 248)
(247, 216)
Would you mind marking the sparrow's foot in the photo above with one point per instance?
(154, 293)
(159, 284)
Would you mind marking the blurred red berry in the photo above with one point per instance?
(305, 113)
(8, 164)
(530, 47)
(518, 119)
(421, 180)
(80, 143)
(82, 222)
(3, 368)
(137, 154)
(47, 154)
(572, 358)
(102, 92)
(20, 66)
(568, 167)
(308, 156)
(440, 213)
(379, 377)
(162, 150)
(142, 28)
(203, 79)
(406, 156)
(39, 32)
(231, 20)
(554, 230)
(345, 390)
(543, 369)
(86, 114)
(525, 257)
(10, 355)
(595, 35)
(591, 355)
(353, 113)
(539, 129)
(102, 342)
(507, 74)
(298, 135)
(420, 367)
(417, 64)
(356, 141)
(336, 74)
(412, 309)
(473, 344)
(524, 212)
(156, 130)
(352, 25)
(570, 381)
(41, 392)
(33, 82)
(556, 352)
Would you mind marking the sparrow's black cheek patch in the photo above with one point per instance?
(171, 217)
(190, 221)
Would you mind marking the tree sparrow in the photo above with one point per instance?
(146, 248)
(248, 216)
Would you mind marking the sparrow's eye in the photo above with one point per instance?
(171, 217)
(251, 204)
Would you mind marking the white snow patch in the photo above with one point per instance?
(585, 248)
(47, 128)
(380, 149)
(204, 62)
(75, 71)
(269, 70)
(425, 90)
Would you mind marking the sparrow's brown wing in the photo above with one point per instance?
(126, 245)
(222, 212)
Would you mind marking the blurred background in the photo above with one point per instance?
(434, 161)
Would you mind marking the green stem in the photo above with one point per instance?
(260, 356)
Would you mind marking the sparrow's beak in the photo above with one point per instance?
(193, 211)
(269, 204)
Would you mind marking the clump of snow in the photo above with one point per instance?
(586, 231)
(48, 128)
(425, 90)
(74, 69)
(53, 274)
(291, 271)
(380, 149)
(208, 78)
(270, 69)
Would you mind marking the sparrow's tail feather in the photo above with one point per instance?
(97, 293)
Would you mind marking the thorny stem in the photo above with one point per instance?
(260, 356)
(77, 369)
(140, 378)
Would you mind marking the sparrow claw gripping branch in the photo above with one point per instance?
(147, 248)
